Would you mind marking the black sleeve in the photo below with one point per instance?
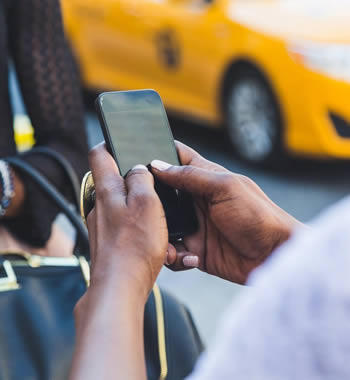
(50, 87)
(7, 141)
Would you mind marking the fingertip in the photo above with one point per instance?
(100, 159)
(170, 255)
(140, 167)
(139, 182)
(95, 151)
(101, 146)
(179, 264)
(180, 144)
(190, 261)
(160, 165)
(136, 171)
(186, 154)
(105, 171)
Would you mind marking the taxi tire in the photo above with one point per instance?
(275, 156)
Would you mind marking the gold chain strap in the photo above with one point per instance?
(161, 332)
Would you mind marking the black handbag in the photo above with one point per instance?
(37, 298)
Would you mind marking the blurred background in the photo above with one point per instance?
(260, 86)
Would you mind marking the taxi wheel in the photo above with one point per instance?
(253, 119)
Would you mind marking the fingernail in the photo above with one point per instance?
(191, 261)
(160, 165)
(142, 167)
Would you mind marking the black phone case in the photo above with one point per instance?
(178, 205)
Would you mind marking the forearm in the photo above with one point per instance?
(109, 322)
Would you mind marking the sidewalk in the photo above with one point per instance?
(206, 296)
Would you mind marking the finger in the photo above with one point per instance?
(189, 156)
(170, 255)
(192, 179)
(91, 226)
(184, 261)
(179, 258)
(140, 184)
(105, 172)
(186, 154)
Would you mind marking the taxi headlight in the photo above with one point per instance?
(330, 59)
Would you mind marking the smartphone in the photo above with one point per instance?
(136, 130)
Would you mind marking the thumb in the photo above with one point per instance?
(192, 179)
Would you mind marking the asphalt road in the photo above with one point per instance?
(303, 188)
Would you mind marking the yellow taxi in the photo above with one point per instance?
(274, 73)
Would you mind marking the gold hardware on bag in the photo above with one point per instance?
(9, 282)
(85, 269)
(35, 261)
(87, 195)
(161, 332)
(23, 254)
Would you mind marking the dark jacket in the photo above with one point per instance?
(31, 33)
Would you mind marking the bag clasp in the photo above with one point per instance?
(10, 281)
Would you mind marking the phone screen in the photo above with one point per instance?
(139, 128)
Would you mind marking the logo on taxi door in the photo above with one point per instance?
(168, 48)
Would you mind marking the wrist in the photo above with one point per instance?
(119, 279)
(122, 287)
(126, 272)
(287, 225)
(105, 299)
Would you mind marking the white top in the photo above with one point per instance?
(295, 324)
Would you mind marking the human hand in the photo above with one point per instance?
(128, 243)
(239, 226)
(127, 227)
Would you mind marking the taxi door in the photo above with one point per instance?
(128, 50)
(114, 40)
(187, 51)
(137, 34)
